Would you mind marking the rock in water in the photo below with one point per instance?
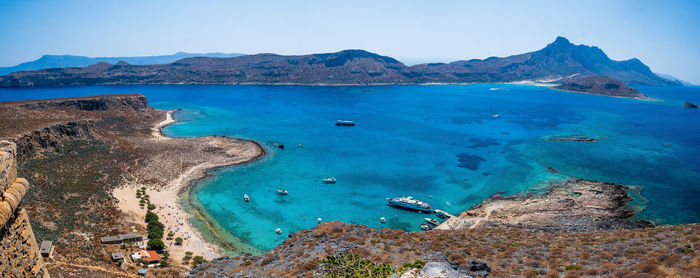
(689, 104)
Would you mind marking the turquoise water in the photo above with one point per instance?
(440, 144)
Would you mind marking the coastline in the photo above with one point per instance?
(167, 199)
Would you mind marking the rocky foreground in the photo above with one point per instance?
(505, 251)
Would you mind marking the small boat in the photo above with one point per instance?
(282, 192)
(425, 227)
(246, 198)
(344, 123)
(382, 219)
(496, 115)
(278, 231)
(318, 220)
(441, 214)
(329, 180)
(300, 146)
(278, 145)
(432, 221)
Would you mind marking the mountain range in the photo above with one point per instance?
(560, 61)
(65, 61)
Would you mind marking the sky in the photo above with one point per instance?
(665, 35)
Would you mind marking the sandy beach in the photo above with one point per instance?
(167, 203)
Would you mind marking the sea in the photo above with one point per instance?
(448, 145)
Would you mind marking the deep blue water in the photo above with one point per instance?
(440, 144)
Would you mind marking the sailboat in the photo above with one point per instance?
(328, 179)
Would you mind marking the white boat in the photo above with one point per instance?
(432, 221)
(425, 227)
(278, 231)
(319, 220)
(328, 179)
(282, 192)
(382, 219)
(344, 123)
(246, 198)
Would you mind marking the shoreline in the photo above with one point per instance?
(167, 199)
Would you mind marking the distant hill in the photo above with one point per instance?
(673, 78)
(558, 61)
(66, 61)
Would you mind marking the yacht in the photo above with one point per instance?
(344, 123)
(432, 221)
(328, 179)
(410, 203)
(282, 192)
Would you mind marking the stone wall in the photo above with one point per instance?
(19, 251)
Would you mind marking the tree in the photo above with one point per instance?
(197, 260)
(151, 206)
(150, 216)
(178, 241)
(156, 244)
(171, 235)
(143, 188)
(188, 256)
(155, 233)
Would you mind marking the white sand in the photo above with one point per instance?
(168, 208)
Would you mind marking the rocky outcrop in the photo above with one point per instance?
(600, 85)
(134, 102)
(576, 205)
(19, 251)
(556, 61)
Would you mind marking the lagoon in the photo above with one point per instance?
(438, 143)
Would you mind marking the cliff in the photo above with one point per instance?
(19, 251)
(557, 61)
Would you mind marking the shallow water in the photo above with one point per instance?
(440, 144)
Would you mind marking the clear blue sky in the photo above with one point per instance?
(663, 34)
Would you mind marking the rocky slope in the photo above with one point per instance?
(507, 251)
(558, 60)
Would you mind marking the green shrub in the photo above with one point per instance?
(354, 266)
(156, 244)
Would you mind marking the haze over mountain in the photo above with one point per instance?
(558, 61)
(65, 61)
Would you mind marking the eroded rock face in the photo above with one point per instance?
(135, 102)
(576, 205)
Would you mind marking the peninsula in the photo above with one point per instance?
(559, 62)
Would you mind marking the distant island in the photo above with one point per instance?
(67, 61)
(580, 68)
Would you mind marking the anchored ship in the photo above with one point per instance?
(410, 203)
(345, 123)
